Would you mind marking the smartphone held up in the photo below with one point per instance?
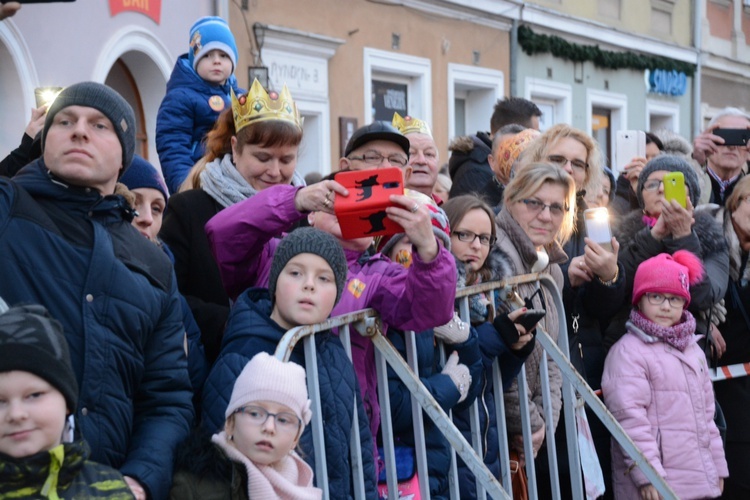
(597, 226)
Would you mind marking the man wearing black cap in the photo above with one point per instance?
(66, 242)
(376, 145)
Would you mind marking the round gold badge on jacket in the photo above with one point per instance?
(216, 103)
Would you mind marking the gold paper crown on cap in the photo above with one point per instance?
(409, 125)
(258, 106)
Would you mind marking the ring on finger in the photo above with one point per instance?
(415, 208)
(328, 195)
(327, 202)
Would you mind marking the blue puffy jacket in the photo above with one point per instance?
(186, 114)
(442, 389)
(250, 331)
(76, 253)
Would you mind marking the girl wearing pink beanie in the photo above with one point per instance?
(656, 384)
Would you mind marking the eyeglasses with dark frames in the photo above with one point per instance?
(469, 237)
(373, 158)
(657, 299)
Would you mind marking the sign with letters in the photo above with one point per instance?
(661, 81)
(149, 8)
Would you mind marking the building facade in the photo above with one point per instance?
(130, 45)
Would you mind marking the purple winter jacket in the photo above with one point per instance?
(244, 237)
(664, 400)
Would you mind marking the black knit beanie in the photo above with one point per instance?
(314, 241)
(104, 99)
(670, 163)
(32, 341)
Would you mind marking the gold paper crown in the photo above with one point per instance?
(409, 125)
(258, 106)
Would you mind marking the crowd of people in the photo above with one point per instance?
(141, 308)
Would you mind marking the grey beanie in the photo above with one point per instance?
(314, 241)
(32, 341)
(108, 102)
(670, 163)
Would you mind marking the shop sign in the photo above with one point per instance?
(149, 8)
(303, 75)
(661, 81)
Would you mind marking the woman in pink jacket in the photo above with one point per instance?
(656, 384)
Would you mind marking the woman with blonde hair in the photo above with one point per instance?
(536, 219)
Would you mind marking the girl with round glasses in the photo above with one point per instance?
(656, 383)
(268, 410)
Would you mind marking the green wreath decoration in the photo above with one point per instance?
(533, 43)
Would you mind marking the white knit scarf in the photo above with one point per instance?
(225, 184)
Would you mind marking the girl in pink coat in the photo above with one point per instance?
(656, 384)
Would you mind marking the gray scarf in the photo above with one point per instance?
(225, 184)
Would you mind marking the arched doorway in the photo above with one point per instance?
(121, 79)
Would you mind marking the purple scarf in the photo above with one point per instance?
(678, 336)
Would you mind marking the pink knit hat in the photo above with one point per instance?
(667, 273)
(266, 378)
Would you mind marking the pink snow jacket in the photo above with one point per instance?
(243, 239)
(664, 400)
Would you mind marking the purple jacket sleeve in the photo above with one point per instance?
(243, 236)
(420, 297)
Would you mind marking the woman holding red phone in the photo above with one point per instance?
(664, 226)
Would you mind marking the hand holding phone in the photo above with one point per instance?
(597, 226)
(674, 188)
(733, 136)
(629, 144)
(530, 318)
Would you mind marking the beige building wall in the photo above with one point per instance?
(667, 20)
(361, 24)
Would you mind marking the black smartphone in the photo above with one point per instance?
(733, 136)
(530, 318)
(43, 1)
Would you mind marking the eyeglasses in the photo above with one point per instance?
(537, 207)
(657, 299)
(652, 185)
(561, 161)
(373, 158)
(285, 421)
(469, 237)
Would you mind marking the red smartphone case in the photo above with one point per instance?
(362, 213)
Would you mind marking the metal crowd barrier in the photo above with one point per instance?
(367, 323)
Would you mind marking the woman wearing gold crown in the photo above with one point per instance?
(253, 145)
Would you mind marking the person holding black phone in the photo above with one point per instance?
(722, 151)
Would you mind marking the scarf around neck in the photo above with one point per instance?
(225, 184)
(679, 336)
(290, 479)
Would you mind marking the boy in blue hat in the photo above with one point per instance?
(197, 92)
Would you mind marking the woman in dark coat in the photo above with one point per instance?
(734, 394)
(244, 154)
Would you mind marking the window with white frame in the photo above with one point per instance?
(607, 112)
(663, 115)
(553, 99)
(397, 82)
(472, 94)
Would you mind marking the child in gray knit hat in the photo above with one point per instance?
(38, 394)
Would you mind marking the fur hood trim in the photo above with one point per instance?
(499, 263)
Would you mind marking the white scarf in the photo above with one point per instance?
(225, 184)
